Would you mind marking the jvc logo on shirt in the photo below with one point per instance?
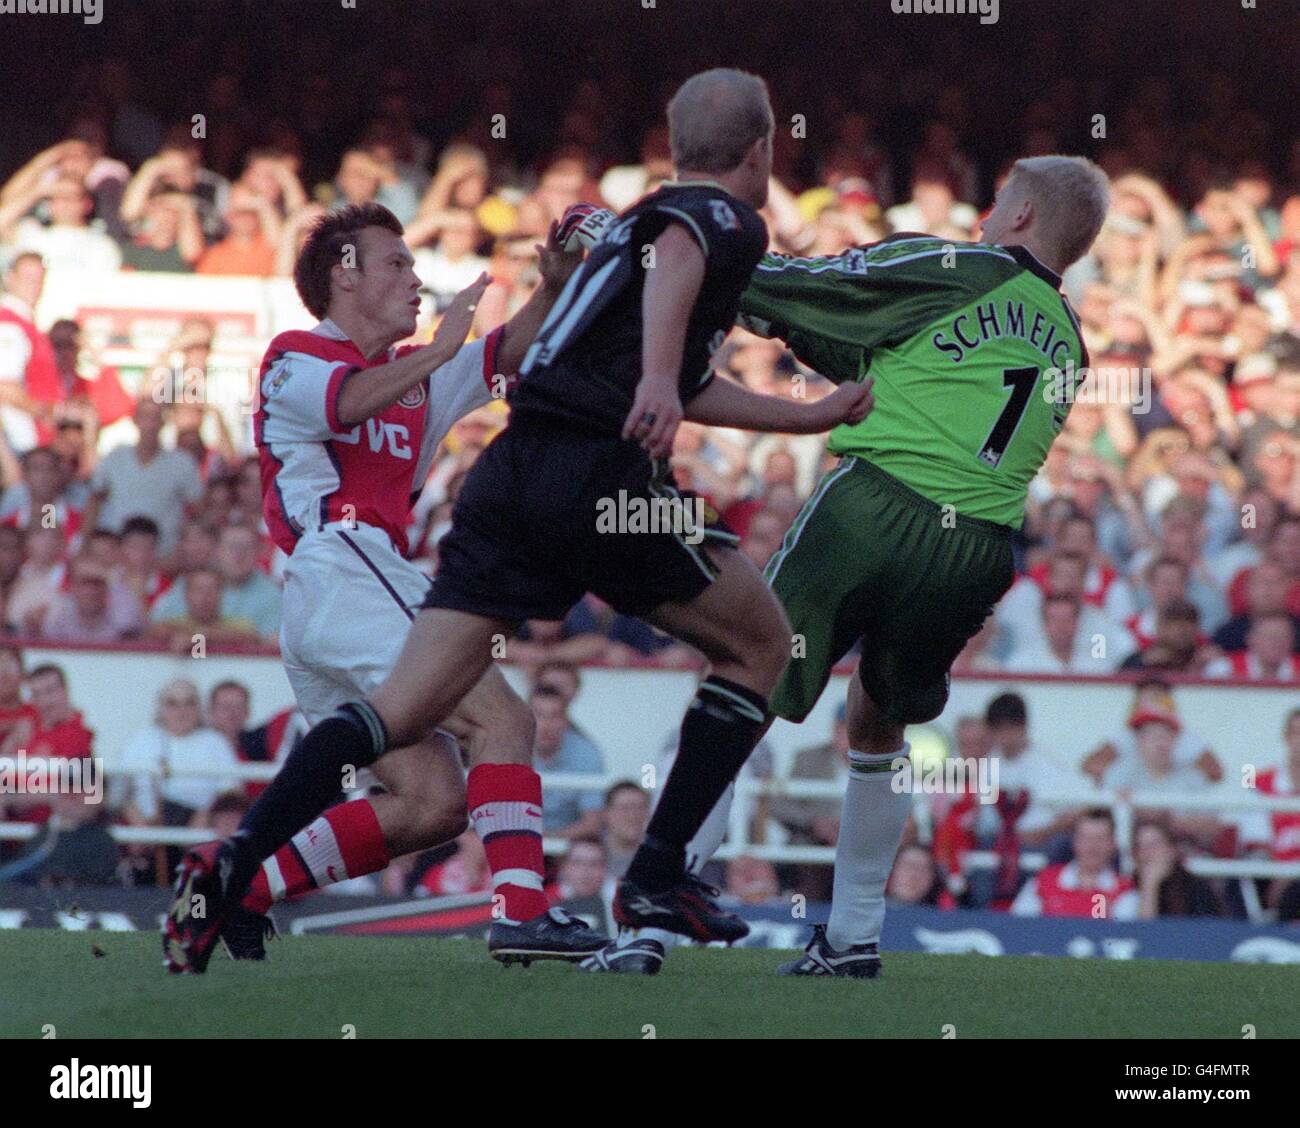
(102, 1082)
(379, 433)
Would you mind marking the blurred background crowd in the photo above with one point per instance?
(1163, 537)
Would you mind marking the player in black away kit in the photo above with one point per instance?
(622, 358)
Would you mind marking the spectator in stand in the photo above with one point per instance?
(229, 709)
(465, 871)
(1275, 465)
(1156, 769)
(1266, 588)
(155, 789)
(816, 822)
(26, 357)
(176, 174)
(202, 623)
(627, 812)
(167, 238)
(563, 678)
(19, 721)
(140, 568)
(1276, 834)
(1259, 513)
(271, 176)
(449, 262)
(582, 872)
(94, 609)
(11, 561)
(1270, 653)
(1025, 774)
(1178, 646)
(1165, 888)
(85, 391)
(1164, 584)
(933, 209)
(39, 580)
(1189, 747)
(225, 814)
(250, 595)
(917, 880)
(1065, 649)
(61, 731)
(751, 881)
(43, 496)
(559, 748)
(60, 734)
(1182, 537)
(63, 236)
(145, 480)
(1088, 886)
(252, 235)
(80, 159)
(197, 548)
(1020, 613)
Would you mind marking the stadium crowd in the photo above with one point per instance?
(1163, 536)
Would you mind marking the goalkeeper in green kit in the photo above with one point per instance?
(905, 545)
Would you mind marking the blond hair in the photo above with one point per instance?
(1070, 196)
(715, 117)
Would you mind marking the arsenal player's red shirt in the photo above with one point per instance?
(315, 471)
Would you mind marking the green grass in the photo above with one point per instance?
(311, 987)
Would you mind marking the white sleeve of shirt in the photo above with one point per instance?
(15, 351)
(458, 387)
(300, 398)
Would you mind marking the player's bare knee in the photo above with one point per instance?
(766, 647)
(503, 734)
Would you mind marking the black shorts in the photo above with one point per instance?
(550, 512)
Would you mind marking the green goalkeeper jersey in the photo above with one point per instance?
(972, 348)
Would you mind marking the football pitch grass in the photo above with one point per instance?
(112, 985)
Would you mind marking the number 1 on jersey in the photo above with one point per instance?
(1021, 381)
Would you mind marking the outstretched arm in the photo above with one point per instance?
(724, 403)
(385, 384)
(517, 334)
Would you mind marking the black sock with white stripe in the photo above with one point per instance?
(323, 764)
(719, 732)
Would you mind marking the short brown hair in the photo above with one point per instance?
(324, 248)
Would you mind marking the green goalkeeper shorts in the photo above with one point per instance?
(869, 558)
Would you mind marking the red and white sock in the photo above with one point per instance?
(505, 809)
(344, 842)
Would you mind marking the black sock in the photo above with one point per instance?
(309, 781)
(719, 732)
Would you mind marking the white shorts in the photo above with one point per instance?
(349, 599)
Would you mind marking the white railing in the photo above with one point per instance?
(740, 841)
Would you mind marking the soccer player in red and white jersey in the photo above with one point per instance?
(346, 428)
